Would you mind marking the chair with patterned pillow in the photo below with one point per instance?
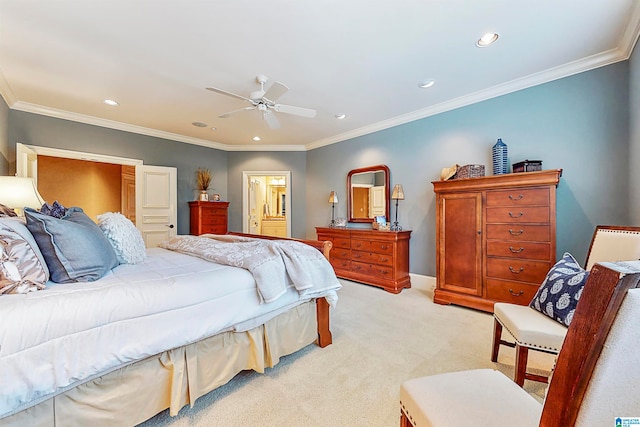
(541, 326)
(594, 383)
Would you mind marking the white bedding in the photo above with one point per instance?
(54, 339)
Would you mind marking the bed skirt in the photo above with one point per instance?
(174, 378)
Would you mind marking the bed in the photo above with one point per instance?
(149, 336)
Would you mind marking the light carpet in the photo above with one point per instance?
(379, 341)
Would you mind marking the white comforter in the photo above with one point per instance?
(54, 339)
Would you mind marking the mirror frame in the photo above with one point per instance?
(377, 168)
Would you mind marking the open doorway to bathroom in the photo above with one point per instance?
(266, 203)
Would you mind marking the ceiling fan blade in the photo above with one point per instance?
(276, 90)
(224, 92)
(271, 120)
(297, 111)
(228, 114)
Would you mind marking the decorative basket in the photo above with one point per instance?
(470, 171)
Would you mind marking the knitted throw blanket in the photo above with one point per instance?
(275, 264)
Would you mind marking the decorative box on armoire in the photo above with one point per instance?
(378, 258)
(495, 237)
(208, 217)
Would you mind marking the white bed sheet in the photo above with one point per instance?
(54, 339)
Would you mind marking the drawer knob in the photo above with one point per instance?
(511, 269)
(384, 247)
(517, 215)
(516, 251)
(520, 196)
(384, 259)
(516, 233)
(516, 294)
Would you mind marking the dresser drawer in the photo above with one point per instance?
(518, 214)
(371, 257)
(528, 250)
(382, 247)
(361, 245)
(340, 253)
(214, 229)
(213, 220)
(517, 269)
(376, 271)
(524, 233)
(340, 264)
(512, 292)
(339, 242)
(519, 197)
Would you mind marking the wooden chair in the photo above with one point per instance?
(532, 330)
(594, 381)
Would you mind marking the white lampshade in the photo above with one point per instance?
(398, 192)
(18, 193)
(333, 197)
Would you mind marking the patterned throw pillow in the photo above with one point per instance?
(124, 237)
(22, 267)
(560, 291)
(56, 210)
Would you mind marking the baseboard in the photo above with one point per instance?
(420, 281)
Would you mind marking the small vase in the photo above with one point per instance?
(500, 165)
(204, 196)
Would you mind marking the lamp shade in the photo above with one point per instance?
(333, 197)
(398, 192)
(19, 192)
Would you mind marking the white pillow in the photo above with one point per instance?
(125, 238)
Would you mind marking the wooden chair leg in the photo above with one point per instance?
(522, 354)
(497, 337)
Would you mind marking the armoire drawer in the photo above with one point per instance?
(512, 292)
(517, 232)
(517, 214)
(519, 197)
(527, 250)
(522, 270)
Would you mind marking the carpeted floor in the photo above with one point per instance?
(379, 341)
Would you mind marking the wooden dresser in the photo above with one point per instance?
(378, 258)
(208, 217)
(495, 237)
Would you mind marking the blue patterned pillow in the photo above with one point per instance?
(560, 291)
(56, 210)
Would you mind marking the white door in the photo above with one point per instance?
(26, 162)
(156, 199)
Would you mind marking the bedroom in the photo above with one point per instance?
(587, 124)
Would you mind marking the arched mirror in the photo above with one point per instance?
(368, 193)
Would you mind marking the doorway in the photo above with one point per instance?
(266, 203)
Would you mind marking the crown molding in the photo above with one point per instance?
(5, 90)
(551, 74)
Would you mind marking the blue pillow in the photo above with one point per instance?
(560, 291)
(73, 246)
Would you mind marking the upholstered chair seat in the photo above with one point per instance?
(530, 328)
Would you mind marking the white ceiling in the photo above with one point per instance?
(363, 58)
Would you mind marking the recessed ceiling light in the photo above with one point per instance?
(427, 83)
(340, 116)
(214, 128)
(487, 39)
(256, 138)
(199, 124)
(110, 102)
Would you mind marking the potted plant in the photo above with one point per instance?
(203, 180)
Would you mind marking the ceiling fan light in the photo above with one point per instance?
(199, 124)
(487, 39)
(111, 102)
(340, 116)
(256, 138)
(426, 84)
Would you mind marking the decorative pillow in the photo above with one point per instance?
(124, 237)
(73, 246)
(56, 210)
(7, 211)
(560, 291)
(22, 267)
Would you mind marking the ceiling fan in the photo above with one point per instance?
(265, 102)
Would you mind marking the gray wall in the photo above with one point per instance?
(4, 138)
(578, 124)
(294, 161)
(634, 139)
(34, 129)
